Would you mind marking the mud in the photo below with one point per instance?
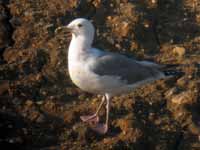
(40, 106)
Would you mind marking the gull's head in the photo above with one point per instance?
(81, 27)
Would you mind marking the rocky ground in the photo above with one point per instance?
(40, 106)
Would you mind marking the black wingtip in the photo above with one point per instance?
(173, 73)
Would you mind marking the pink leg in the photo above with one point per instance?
(93, 118)
(103, 128)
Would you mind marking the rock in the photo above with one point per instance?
(125, 125)
(194, 129)
(29, 103)
(41, 118)
(182, 98)
(5, 28)
(171, 92)
(180, 51)
(33, 116)
(82, 131)
(4, 86)
(69, 116)
(182, 81)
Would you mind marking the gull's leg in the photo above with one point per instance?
(94, 117)
(103, 128)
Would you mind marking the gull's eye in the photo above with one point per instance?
(80, 25)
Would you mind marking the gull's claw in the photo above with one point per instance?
(89, 119)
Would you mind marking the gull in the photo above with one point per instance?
(104, 73)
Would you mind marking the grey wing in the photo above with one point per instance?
(127, 69)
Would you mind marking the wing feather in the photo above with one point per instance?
(129, 70)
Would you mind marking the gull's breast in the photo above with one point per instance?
(83, 78)
(90, 82)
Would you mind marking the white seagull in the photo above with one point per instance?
(104, 73)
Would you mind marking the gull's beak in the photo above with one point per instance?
(66, 28)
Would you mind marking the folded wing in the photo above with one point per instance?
(129, 70)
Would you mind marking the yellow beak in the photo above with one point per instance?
(66, 28)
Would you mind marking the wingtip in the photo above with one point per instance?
(173, 73)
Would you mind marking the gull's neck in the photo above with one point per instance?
(79, 46)
(82, 42)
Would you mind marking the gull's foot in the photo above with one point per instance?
(100, 128)
(90, 119)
